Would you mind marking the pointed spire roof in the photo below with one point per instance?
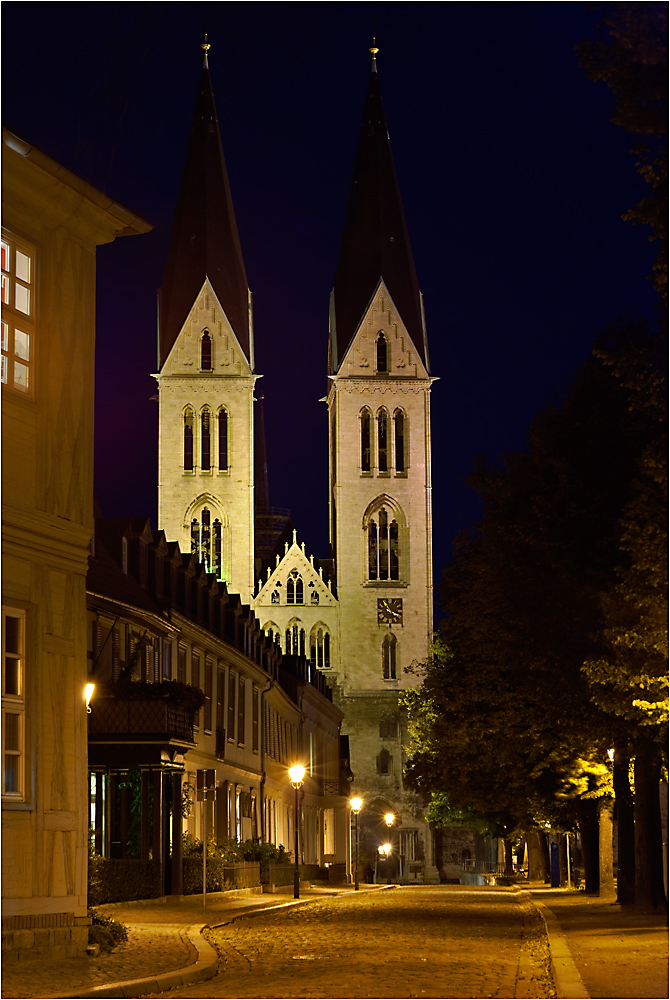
(375, 243)
(205, 242)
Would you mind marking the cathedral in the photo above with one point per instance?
(363, 615)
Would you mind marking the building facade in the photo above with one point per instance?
(52, 223)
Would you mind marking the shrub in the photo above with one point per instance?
(105, 931)
(115, 880)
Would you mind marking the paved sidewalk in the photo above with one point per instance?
(165, 948)
(615, 953)
(599, 950)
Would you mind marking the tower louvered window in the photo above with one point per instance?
(206, 352)
(223, 440)
(389, 649)
(188, 439)
(206, 541)
(366, 434)
(382, 441)
(206, 449)
(399, 429)
(382, 353)
(383, 547)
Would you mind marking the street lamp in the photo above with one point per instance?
(389, 819)
(356, 805)
(297, 775)
(385, 849)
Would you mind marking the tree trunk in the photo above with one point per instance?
(509, 864)
(538, 860)
(605, 856)
(625, 819)
(588, 829)
(649, 888)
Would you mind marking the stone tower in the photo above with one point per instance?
(205, 367)
(380, 484)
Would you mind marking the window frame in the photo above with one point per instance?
(16, 319)
(15, 704)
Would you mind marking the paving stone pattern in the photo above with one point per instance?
(152, 948)
(442, 941)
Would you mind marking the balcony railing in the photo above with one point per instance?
(128, 720)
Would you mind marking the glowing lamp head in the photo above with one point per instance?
(356, 804)
(386, 849)
(389, 819)
(296, 774)
(90, 688)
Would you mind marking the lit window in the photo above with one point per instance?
(13, 705)
(17, 316)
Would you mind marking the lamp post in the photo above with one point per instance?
(385, 849)
(356, 805)
(297, 775)
(389, 819)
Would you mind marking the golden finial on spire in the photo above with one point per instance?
(374, 50)
(206, 47)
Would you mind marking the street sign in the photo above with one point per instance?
(205, 784)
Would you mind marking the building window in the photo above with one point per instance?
(388, 728)
(223, 440)
(232, 686)
(181, 665)
(382, 353)
(205, 442)
(255, 719)
(13, 704)
(383, 547)
(382, 441)
(206, 352)
(188, 439)
(295, 593)
(295, 638)
(399, 433)
(384, 762)
(319, 647)
(366, 437)
(209, 682)
(18, 304)
(389, 648)
(241, 711)
(206, 541)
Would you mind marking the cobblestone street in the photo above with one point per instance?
(442, 941)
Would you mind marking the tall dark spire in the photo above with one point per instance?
(375, 243)
(204, 241)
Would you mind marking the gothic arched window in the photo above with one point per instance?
(366, 438)
(319, 647)
(382, 440)
(188, 439)
(207, 542)
(206, 352)
(206, 450)
(383, 545)
(389, 649)
(294, 588)
(399, 430)
(223, 440)
(384, 762)
(382, 353)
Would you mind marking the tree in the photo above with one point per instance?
(631, 57)
(506, 719)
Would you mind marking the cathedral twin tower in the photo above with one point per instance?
(371, 614)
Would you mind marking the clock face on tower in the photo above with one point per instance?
(389, 610)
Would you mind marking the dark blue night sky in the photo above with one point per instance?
(513, 181)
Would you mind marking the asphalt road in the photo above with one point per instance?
(424, 941)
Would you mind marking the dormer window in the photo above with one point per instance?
(206, 352)
(382, 353)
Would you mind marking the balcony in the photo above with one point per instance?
(139, 720)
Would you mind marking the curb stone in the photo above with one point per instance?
(205, 966)
(568, 982)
